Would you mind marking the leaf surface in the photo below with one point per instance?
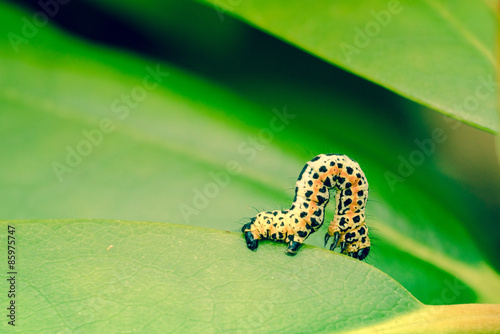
(117, 276)
(437, 53)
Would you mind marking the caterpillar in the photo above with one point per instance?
(306, 215)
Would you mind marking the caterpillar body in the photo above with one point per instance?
(306, 214)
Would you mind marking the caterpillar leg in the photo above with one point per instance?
(335, 232)
(353, 242)
(293, 248)
(252, 242)
(336, 236)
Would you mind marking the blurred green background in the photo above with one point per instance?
(227, 81)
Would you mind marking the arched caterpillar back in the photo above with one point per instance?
(306, 214)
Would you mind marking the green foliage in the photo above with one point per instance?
(415, 48)
(96, 274)
(113, 276)
(87, 131)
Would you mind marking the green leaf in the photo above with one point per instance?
(81, 139)
(437, 53)
(116, 276)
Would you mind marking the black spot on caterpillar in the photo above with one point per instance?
(306, 214)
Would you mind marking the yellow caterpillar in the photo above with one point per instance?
(306, 214)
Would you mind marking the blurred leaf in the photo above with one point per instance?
(179, 28)
(437, 53)
(86, 133)
(113, 276)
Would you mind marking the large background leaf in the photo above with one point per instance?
(264, 69)
(397, 45)
(113, 276)
(164, 151)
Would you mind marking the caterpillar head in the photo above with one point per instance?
(252, 242)
(358, 243)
